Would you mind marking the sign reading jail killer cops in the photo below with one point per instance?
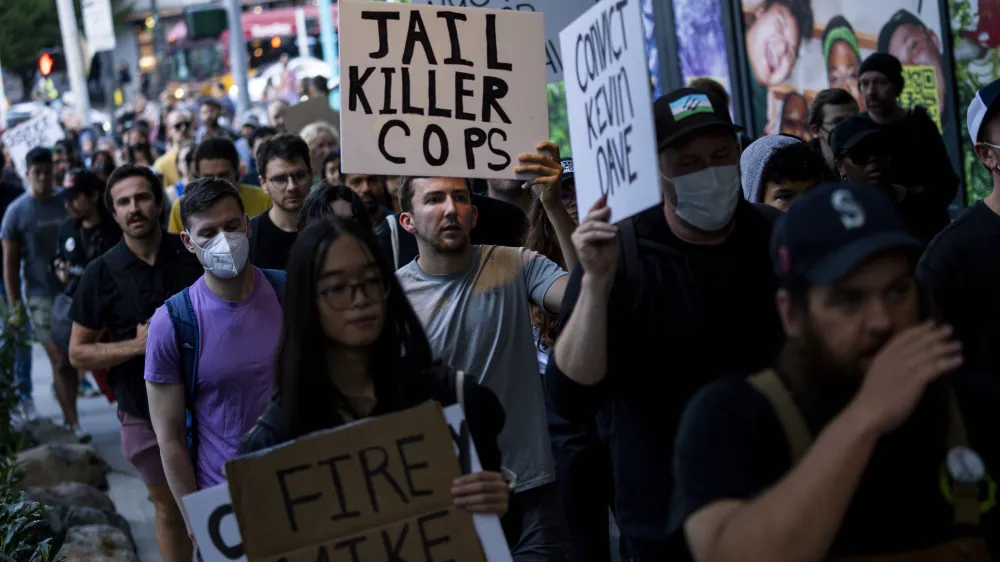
(610, 109)
(375, 490)
(440, 91)
(920, 88)
(558, 14)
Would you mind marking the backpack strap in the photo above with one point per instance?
(277, 279)
(965, 495)
(630, 251)
(797, 432)
(460, 388)
(185, 324)
(393, 222)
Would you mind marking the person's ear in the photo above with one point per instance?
(188, 243)
(986, 156)
(406, 221)
(475, 216)
(841, 168)
(791, 320)
(814, 129)
(246, 218)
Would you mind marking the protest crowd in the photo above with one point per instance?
(790, 357)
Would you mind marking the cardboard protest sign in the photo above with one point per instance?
(487, 525)
(214, 524)
(310, 111)
(440, 91)
(375, 490)
(42, 129)
(558, 14)
(610, 109)
(214, 521)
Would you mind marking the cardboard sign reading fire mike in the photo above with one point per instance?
(375, 490)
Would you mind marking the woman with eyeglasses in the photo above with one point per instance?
(353, 348)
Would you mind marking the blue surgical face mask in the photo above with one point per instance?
(707, 199)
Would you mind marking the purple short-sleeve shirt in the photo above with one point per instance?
(236, 368)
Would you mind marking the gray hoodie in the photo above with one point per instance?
(753, 161)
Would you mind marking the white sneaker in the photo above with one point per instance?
(81, 435)
(27, 410)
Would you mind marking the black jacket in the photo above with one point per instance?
(483, 412)
(688, 316)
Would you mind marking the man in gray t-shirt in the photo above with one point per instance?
(474, 304)
(30, 238)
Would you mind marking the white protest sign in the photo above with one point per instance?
(610, 109)
(214, 524)
(487, 526)
(218, 535)
(558, 14)
(98, 25)
(435, 91)
(42, 129)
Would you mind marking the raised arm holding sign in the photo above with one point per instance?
(434, 91)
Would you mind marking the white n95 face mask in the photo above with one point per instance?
(226, 255)
(707, 199)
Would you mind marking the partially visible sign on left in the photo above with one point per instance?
(41, 130)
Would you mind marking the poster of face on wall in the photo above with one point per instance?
(797, 48)
(976, 33)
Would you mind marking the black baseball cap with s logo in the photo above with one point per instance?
(834, 228)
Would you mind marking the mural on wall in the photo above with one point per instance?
(701, 41)
(975, 26)
(796, 48)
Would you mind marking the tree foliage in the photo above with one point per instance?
(29, 26)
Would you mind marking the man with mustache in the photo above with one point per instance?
(118, 293)
(862, 440)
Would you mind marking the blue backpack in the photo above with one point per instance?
(185, 323)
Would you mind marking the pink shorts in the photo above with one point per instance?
(140, 448)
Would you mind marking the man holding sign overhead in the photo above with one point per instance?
(686, 296)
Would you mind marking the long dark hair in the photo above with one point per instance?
(397, 359)
(541, 237)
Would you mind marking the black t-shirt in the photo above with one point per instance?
(78, 246)
(920, 163)
(730, 445)
(691, 315)
(269, 245)
(961, 269)
(119, 291)
(499, 224)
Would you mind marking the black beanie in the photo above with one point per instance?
(887, 65)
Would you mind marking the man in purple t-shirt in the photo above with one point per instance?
(239, 322)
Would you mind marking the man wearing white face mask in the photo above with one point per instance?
(686, 296)
(210, 350)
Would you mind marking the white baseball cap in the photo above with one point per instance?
(985, 98)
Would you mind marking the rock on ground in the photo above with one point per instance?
(53, 463)
(97, 543)
(71, 494)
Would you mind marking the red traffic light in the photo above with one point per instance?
(45, 64)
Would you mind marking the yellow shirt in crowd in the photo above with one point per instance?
(255, 202)
(167, 166)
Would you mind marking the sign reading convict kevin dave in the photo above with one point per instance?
(610, 109)
(440, 91)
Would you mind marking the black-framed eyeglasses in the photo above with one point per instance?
(299, 178)
(183, 125)
(340, 296)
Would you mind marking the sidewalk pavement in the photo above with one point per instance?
(100, 420)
